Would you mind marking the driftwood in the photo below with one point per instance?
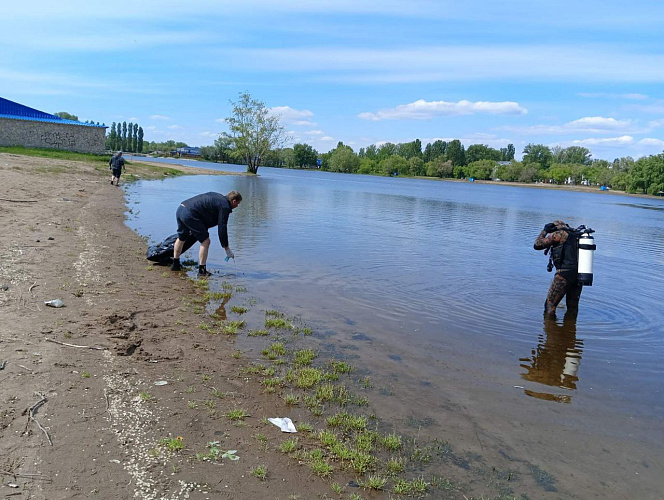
(74, 345)
(18, 201)
(16, 474)
(31, 416)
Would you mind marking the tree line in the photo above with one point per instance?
(256, 138)
(125, 137)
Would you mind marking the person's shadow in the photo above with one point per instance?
(555, 361)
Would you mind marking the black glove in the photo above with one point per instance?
(550, 228)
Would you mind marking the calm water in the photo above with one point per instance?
(435, 286)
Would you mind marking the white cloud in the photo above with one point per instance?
(326, 138)
(304, 123)
(209, 134)
(656, 108)
(586, 125)
(427, 110)
(649, 141)
(290, 114)
(593, 141)
(435, 63)
(313, 132)
(608, 95)
(174, 127)
(160, 117)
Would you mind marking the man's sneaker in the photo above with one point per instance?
(203, 272)
(176, 266)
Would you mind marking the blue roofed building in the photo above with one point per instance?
(31, 128)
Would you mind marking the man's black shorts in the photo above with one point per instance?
(117, 172)
(190, 226)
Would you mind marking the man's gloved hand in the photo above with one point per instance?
(229, 253)
(550, 227)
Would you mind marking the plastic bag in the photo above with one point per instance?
(162, 253)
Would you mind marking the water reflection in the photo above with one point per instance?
(221, 310)
(555, 361)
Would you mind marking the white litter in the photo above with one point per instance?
(284, 423)
(161, 382)
(55, 303)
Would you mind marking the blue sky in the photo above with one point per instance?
(362, 72)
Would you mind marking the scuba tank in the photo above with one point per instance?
(574, 257)
(586, 252)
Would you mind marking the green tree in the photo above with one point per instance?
(367, 166)
(537, 153)
(343, 159)
(66, 116)
(140, 139)
(124, 136)
(253, 130)
(371, 152)
(560, 172)
(456, 153)
(477, 152)
(439, 167)
(112, 138)
(385, 151)
(416, 166)
(437, 149)
(394, 165)
(647, 175)
(130, 133)
(481, 169)
(507, 154)
(410, 149)
(134, 141)
(305, 155)
(572, 154)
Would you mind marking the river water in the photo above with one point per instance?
(435, 288)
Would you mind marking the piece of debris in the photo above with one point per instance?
(54, 303)
(284, 423)
(161, 382)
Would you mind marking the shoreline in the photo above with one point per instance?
(116, 432)
(541, 185)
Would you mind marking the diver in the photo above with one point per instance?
(562, 244)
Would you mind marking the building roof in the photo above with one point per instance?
(16, 111)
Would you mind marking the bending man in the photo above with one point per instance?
(564, 255)
(198, 214)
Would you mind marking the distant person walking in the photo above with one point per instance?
(117, 165)
(198, 214)
(555, 238)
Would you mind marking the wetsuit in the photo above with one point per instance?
(198, 214)
(565, 282)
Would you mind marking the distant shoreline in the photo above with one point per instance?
(541, 185)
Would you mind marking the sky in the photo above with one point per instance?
(563, 73)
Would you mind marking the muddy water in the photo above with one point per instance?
(434, 289)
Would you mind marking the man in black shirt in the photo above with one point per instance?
(117, 165)
(198, 214)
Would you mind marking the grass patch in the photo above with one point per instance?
(172, 444)
(278, 324)
(304, 357)
(236, 415)
(239, 310)
(260, 472)
(232, 327)
(258, 333)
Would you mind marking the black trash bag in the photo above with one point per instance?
(162, 253)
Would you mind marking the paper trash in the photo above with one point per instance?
(285, 424)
